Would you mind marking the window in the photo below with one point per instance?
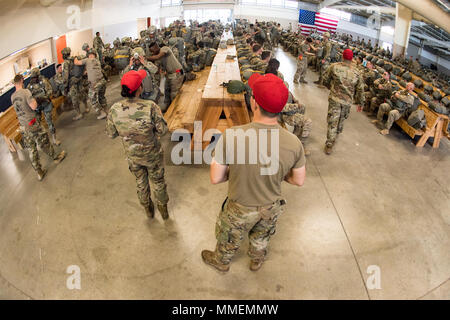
(263, 2)
(337, 13)
(277, 3)
(168, 3)
(170, 20)
(291, 4)
(203, 15)
(388, 30)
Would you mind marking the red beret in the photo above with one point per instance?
(347, 54)
(133, 79)
(269, 91)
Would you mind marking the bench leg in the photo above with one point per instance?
(438, 134)
(10, 145)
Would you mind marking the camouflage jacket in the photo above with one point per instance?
(139, 123)
(41, 89)
(98, 43)
(405, 101)
(345, 83)
(385, 91)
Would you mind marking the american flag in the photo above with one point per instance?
(309, 20)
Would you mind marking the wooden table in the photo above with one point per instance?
(218, 108)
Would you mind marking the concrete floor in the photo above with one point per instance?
(376, 201)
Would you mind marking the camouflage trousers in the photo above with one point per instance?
(337, 113)
(393, 115)
(33, 137)
(235, 220)
(97, 96)
(75, 93)
(302, 66)
(323, 69)
(302, 128)
(152, 172)
(367, 98)
(47, 110)
(174, 81)
(375, 102)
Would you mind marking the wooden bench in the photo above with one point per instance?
(436, 125)
(9, 124)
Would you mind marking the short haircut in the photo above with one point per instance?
(256, 48)
(308, 39)
(153, 44)
(58, 65)
(18, 78)
(267, 113)
(265, 54)
(97, 33)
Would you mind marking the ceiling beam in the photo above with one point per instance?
(328, 3)
(375, 9)
(431, 41)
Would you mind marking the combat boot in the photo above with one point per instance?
(255, 265)
(162, 208)
(150, 210)
(102, 115)
(303, 81)
(41, 174)
(384, 132)
(55, 140)
(77, 117)
(317, 82)
(60, 157)
(328, 149)
(209, 257)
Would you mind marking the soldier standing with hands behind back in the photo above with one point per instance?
(140, 124)
(254, 201)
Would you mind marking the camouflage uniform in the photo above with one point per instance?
(72, 85)
(41, 89)
(346, 85)
(140, 124)
(397, 109)
(235, 220)
(302, 63)
(98, 46)
(32, 132)
(97, 96)
(380, 95)
(326, 56)
(293, 115)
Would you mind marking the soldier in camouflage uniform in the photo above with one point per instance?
(402, 102)
(98, 46)
(381, 91)
(254, 201)
(97, 83)
(326, 59)
(302, 60)
(32, 132)
(346, 85)
(72, 82)
(140, 124)
(41, 89)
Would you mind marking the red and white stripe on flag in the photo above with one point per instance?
(323, 23)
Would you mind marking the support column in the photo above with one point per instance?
(403, 19)
(422, 43)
